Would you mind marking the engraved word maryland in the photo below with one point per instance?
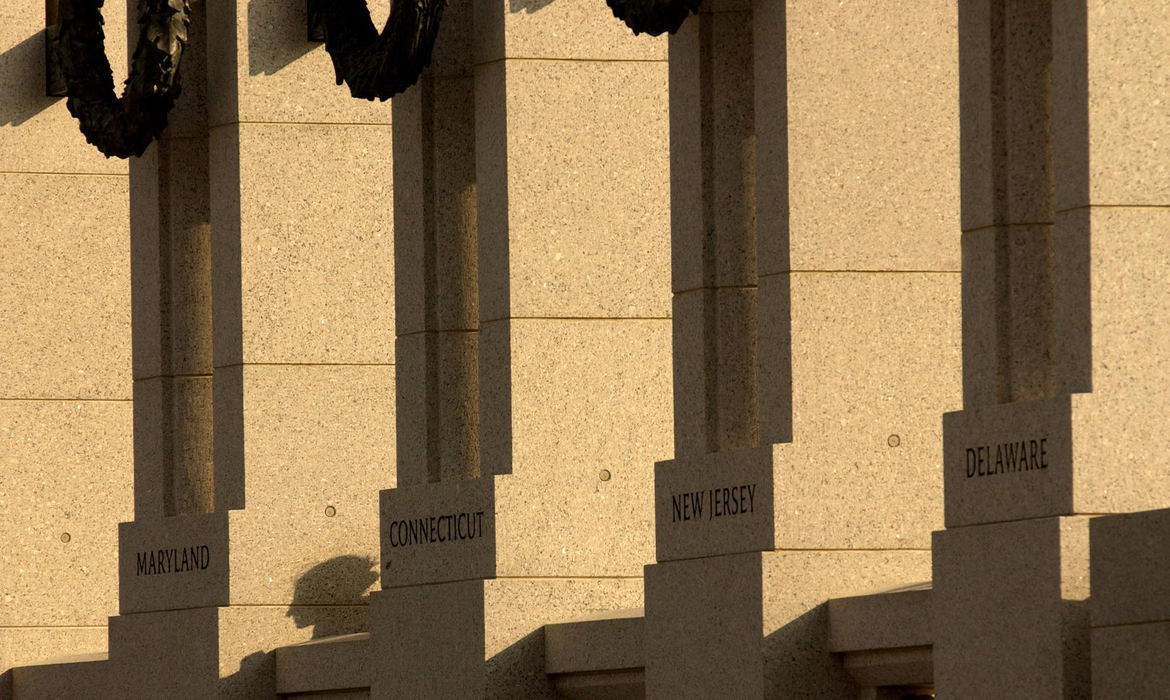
(713, 503)
(172, 561)
(1010, 457)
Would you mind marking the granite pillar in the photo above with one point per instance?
(816, 334)
(1062, 318)
(533, 310)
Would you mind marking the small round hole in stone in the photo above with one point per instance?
(605, 475)
(893, 441)
(330, 511)
(65, 537)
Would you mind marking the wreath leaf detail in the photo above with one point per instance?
(373, 65)
(122, 127)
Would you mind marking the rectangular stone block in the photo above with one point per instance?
(575, 30)
(719, 503)
(614, 639)
(588, 415)
(976, 116)
(715, 369)
(586, 227)
(1129, 661)
(37, 133)
(1129, 566)
(436, 206)
(310, 244)
(770, 79)
(174, 563)
(437, 390)
(328, 665)
(242, 558)
(1119, 254)
(87, 676)
(166, 654)
(1011, 616)
(434, 533)
(865, 427)
(1087, 441)
(852, 167)
(22, 646)
(67, 260)
(902, 617)
(223, 652)
(1008, 462)
(447, 621)
(704, 628)
(980, 309)
(170, 249)
(1128, 151)
(713, 156)
(516, 609)
(67, 477)
(262, 69)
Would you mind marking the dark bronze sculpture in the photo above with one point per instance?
(122, 127)
(378, 66)
(653, 16)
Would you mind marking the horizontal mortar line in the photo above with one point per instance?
(1141, 623)
(306, 364)
(72, 400)
(709, 288)
(446, 331)
(48, 172)
(380, 125)
(1114, 206)
(173, 376)
(848, 549)
(566, 578)
(53, 627)
(990, 227)
(791, 273)
(865, 272)
(288, 605)
(570, 60)
(575, 318)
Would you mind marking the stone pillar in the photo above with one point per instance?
(171, 301)
(1130, 605)
(65, 409)
(278, 545)
(533, 311)
(789, 145)
(1064, 193)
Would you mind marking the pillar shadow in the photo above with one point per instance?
(276, 34)
(518, 671)
(796, 653)
(24, 97)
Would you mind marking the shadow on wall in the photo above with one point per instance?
(330, 588)
(24, 97)
(528, 6)
(277, 31)
(518, 671)
(338, 581)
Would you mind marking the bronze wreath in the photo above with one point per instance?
(125, 126)
(378, 66)
(653, 16)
